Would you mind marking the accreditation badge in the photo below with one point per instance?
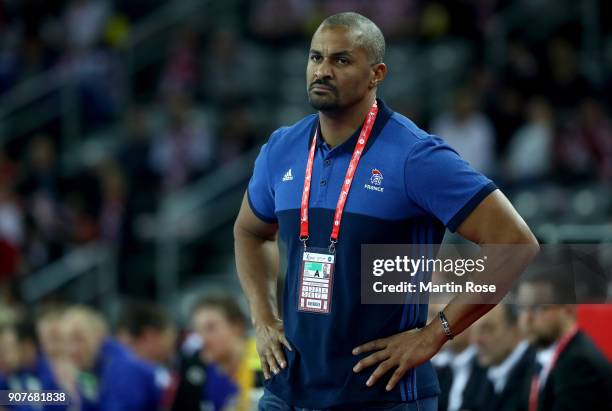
(316, 280)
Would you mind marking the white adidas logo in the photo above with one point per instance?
(288, 176)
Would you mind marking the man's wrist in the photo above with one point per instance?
(263, 318)
(436, 332)
(445, 326)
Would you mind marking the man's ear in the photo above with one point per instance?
(379, 71)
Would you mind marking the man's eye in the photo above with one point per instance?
(343, 60)
(315, 57)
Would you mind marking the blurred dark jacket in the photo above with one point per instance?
(580, 380)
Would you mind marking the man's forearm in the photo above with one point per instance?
(257, 263)
(505, 263)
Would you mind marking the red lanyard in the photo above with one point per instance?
(348, 179)
(535, 383)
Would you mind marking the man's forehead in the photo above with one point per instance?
(331, 40)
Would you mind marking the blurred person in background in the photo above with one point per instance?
(232, 70)
(151, 334)
(238, 133)
(113, 203)
(184, 150)
(225, 373)
(570, 372)
(84, 22)
(40, 187)
(584, 148)
(529, 157)
(461, 377)
(468, 131)
(24, 366)
(54, 347)
(182, 71)
(148, 330)
(507, 357)
(111, 376)
(12, 232)
(564, 83)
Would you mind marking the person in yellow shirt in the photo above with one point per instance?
(225, 372)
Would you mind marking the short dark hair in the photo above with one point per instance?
(138, 316)
(228, 305)
(372, 38)
(556, 273)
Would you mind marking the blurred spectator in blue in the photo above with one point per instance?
(26, 368)
(111, 377)
(469, 132)
(148, 330)
(87, 65)
(54, 347)
(584, 149)
(529, 157)
(184, 150)
(150, 333)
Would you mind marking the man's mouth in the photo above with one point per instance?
(321, 88)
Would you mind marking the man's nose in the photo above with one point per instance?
(323, 70)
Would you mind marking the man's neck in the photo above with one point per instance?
(338, 126)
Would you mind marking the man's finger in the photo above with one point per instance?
(264, 366)
(370, 360)
(371, 346)
(274, 367)
(286, 342)
(381, 370)
(397, 375)
(279, 356)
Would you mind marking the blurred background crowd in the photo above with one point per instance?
(128, 129)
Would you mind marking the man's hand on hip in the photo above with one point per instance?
(402, 351)
(269, 338)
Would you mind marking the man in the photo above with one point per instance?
(461, 377)
(26, 368)
(507, 355)
(148, 330)
(111, 376)
(571, 373)
(421, 185)
(225, 372)
(49, 330)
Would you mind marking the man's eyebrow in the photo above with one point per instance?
(336, 54)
